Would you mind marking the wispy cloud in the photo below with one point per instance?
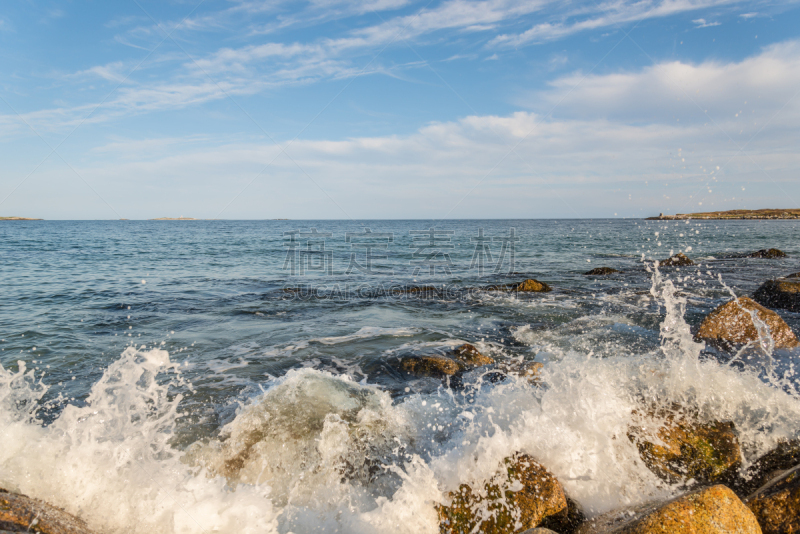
(603, 15)
(604, 148)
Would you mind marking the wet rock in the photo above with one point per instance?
(731, 324)
(678, 260)
(781, 293)
(601, 271)
(776, 505)
(539, 531)
(529, 370)
(19, 513)
(434, 365)
(712, 510)
(783, 457)
(769, 253)
(528, 286)
(470, 357)
(793, 276)
(684, 449)
(523, 496)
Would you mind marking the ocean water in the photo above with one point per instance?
(242, 376)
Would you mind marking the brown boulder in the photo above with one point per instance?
(469, 356)
(769, 253)
(538, 530)
(430, 365)
(601, 271)
(776, 505)
(683, 449)
(19, 513)
(781, 293)
(527, 286)
(712, 510)
(731, 324)
(523, 494)
(678, 260)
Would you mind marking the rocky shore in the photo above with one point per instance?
(699, 457)
(731, 214)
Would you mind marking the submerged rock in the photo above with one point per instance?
(524, 495)
(470, 357)
(601, 271)
(19, 513)
(682, 449)
(712, 510)
(769, 253)
(776, 505)
(434, 365)
(732, 324)
(781, 293)
(462, 358)
(527, 286)
(678, 260)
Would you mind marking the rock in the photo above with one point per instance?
(19, 513)
(470, 357)
(712, 510)
(461, 358)
(783, 457)
(600, 271)
(781, 293)
(771, 253)
(731, 324)
(683, 449)
(793, 276)
(539, 531)
(528, 286)
(523, 494)
(434, 365)
(678, 260)
(776, 505)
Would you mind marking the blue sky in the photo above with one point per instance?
(397, 109)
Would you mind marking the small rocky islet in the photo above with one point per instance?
(703, 456)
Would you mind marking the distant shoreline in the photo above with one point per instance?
(731, 214)
(19, 219)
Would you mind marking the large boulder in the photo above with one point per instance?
(678, 260)
(526, 286)
(523, 495)
(712, 510)
(769, 253)
(19, 513)
(776, 505)
(731, 324)
(601, 271)
(683, 448)
(781, 293)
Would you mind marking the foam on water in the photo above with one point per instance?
(318, 452)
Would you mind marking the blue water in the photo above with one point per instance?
(221, 298)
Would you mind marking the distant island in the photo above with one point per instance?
(731, 214)
(18, 219)
(174, 219)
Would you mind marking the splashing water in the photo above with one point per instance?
(318, 452)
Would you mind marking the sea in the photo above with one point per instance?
(244, 376)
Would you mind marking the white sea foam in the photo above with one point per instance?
(367, 332)
(317, 452)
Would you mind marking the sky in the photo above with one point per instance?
(397, 109)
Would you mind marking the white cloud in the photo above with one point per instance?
(701, 23)
(606, 14)
(612, 136)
